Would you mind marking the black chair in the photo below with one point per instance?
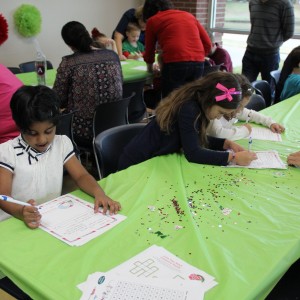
(30, 66)
(65, 127)
(257, 102)
(14, 70)
(10, 288)
(263, 88)
(108, 115)
(137, 108)
(109, 145)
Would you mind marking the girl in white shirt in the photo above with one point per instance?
(225, 128)
(32, 164)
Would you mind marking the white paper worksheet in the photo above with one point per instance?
(73, 220)
(265, 160)
(260, 133)
(154, 272)
(111, 287)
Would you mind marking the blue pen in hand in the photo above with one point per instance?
(11, 200)
(249, 143)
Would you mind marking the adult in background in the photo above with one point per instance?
(9, 83)
(183, 41)
(130, 16)
(86, 78)
(272, 23)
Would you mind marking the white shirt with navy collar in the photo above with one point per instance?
(37, 176)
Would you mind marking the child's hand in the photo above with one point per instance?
(249, 127)
(106, 203)
(230, 145)
(294, 159)
(277, 128)
(244, 158)
(31, 215)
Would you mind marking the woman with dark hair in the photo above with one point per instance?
(182, 120)
(88, 77)
(183, 41)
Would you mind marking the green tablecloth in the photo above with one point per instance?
(132, 70)
(247, 251)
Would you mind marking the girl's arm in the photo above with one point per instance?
(231, 132)
(88, 184)
(28, 214)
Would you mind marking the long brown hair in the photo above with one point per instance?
(203, 91)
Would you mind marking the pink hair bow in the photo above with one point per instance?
(227, 93)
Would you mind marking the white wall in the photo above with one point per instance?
(103, 14)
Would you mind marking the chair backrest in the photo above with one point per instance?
(275, 75)
(137, 107)
(257, 102)
(29, 66)
(14, 70)
(109, 145)
(263, 88)
(65, 127)
(111, 114)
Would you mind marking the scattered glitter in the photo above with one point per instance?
(226, 211)
(177, 227)
(151, 208)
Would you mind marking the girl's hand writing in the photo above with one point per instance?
(106, 203)
(277, 128)
(31, 215)
(244, 158)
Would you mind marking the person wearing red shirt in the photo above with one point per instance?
(183, 41)
(9, 83)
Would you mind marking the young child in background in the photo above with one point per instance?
(32, 164)
(225, 128)
(102, 41)
(219, 55)
(132, 48)
(181, 122)
(292, 84)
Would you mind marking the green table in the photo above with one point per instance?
(133, 70)
(247, 251)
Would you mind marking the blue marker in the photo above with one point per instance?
(11, 200)
(249, 143)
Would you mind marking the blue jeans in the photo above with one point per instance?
(177, 74)
(254, 63)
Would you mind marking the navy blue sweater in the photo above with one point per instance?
(184, 137)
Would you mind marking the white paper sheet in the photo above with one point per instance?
(111, 287)
(260, 133)
(153, 269)
(141, 68)
(157, 262)
(73, 220)
(265, 160)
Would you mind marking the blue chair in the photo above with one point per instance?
(263, 88)
(109, 145)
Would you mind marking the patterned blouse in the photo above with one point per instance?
(85, 80)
